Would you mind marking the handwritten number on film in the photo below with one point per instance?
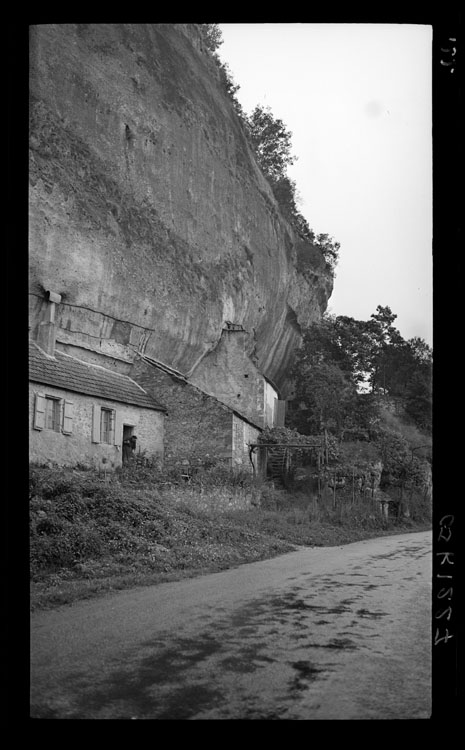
(445, 535)
(448, 55)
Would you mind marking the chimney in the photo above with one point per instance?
(47, 330)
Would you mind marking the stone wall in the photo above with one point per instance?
(243, 434)
(77, 447)
(197, 426)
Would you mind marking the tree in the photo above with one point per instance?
(212, 36)
(418, 399)
(370, 356)
(329, 248)
(271, 141)
(327, 397)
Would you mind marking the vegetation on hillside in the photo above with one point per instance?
(91, 534)
(360, 380)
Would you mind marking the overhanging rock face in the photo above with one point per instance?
(148, 213)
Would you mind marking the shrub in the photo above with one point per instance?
(56, 545)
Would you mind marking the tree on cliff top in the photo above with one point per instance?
(212, 36)
(271, 142)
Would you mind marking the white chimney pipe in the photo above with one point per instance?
(46, 332)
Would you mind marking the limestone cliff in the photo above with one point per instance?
(148, 213)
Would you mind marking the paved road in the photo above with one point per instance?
(323, 633)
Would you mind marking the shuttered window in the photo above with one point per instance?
(39, 411)
(107, 425)
(103, 425)
(68, 410)
(53, 413)
(96, 424)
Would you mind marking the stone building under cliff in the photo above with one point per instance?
(152, 221)
(207, 419)
(81, 411)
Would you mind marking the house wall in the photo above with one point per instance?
(243, 434)
(270, 397)
(197, 426)
(77, 447)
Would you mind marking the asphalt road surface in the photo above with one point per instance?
(322, 633)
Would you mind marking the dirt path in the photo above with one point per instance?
(325, 633)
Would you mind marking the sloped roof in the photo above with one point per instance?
(183, 379)
(64, 371)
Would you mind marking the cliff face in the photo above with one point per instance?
(148, 213)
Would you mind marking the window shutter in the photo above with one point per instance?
(118, 427)
(95, 423)
(39, 411)
(280, 413)
(68, 417)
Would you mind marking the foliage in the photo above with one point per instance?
(325, 395)
(329, 249)
(285, 192)
(401, 467)
(281, 435)
(345, 364)
(211, 35)
(271, 142)
(88, 535)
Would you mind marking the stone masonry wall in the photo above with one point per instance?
(243, 434)
(197, 426)
(56, 447)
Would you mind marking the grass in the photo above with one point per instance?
(89, 536)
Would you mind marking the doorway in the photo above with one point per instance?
(128, 432)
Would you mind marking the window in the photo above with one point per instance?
(52, 414)
(106, 425)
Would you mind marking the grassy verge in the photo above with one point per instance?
(89, 536)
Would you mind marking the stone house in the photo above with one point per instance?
(198, 427)
(216, 411)
(80, 413)
(83, 404)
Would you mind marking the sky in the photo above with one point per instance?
(357, 99)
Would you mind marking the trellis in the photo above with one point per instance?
(332, 478)
(283, 450)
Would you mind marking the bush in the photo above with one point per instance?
(58, 545)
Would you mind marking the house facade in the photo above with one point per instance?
(81, 413)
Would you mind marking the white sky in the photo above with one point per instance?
(357, 99)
